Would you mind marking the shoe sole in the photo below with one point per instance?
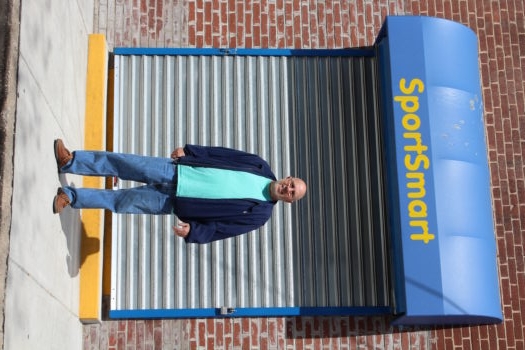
(55, 211)
(55, 143)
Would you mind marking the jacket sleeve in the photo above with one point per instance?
(214, 231)
(198, 151)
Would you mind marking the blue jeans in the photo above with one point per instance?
(156, 197)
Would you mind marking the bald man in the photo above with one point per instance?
(216, 192)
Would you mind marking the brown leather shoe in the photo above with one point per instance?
(60, 201)
(62, 154)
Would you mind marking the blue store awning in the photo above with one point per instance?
(438, 178)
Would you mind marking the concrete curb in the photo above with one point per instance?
(9, 39)
(93, 219)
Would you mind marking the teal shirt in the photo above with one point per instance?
(213, 183)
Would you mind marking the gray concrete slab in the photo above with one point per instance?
(42, 288)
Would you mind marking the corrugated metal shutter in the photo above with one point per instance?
(311, 116)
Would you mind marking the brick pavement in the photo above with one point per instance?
(500, 26)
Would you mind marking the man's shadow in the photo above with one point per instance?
(76, 238)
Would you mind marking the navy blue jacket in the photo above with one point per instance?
(214, 219)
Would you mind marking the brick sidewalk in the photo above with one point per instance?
(254, 333)
(500, 27)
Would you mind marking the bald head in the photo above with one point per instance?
(288, 190)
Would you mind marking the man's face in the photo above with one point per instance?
(288, 190)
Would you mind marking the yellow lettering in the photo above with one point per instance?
(424, 236)
(409, 104)
(415, 158)
(418, 147)
(413, 84)
(411, 122)
(419, 184)
(417, 209)
(415, 165)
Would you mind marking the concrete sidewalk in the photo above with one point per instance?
(42, 286)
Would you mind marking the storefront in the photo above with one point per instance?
(390, 141)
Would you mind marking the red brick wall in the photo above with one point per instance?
(500, 26)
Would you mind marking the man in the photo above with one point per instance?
(216, 192)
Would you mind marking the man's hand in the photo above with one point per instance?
(182, 229)
(179, 152)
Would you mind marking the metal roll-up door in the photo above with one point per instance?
(313, 116)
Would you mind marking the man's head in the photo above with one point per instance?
(288, 190)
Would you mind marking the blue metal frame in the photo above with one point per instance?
(359, 52)
(250, 312)
(260, 311)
